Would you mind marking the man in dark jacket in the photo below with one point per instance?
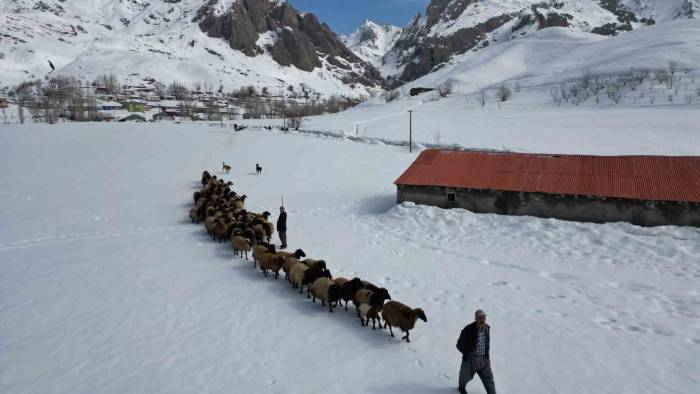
(474, 344)
(282, 227)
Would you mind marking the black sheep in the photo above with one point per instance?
(347, 292)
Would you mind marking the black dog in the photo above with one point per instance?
(258, 169)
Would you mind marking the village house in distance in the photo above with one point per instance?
(642, 190)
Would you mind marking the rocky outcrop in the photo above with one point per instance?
(424, 51)
(371, 41)
(435, 50)
(453, 27)
(294, 39)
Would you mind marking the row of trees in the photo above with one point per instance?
(65, 97)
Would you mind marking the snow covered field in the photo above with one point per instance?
(106, 287)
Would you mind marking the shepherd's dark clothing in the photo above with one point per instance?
(466, 343)
(282, 229)
(475, 357)
(282, 222)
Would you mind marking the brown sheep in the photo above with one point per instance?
(377, 299)
(269, 230)
(327, 291)
(240, 245)
(349, 289)
(240, 202)
(209, 224)
(298, 253)
(320, 264)
(221, 230)
(296, 276)
(261, 249)
(399, 315)
(288, 264)
(270, 262)
(259, 233)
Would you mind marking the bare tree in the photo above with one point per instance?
(614, 93)
(391, 95)
(564, 91)
(664, 77)
(556, 96)
(672, 67)
(586, 78)
(20, 111)
(109, 82)
(445, 89)
(482, 98)
(178, 90)
(503, 93)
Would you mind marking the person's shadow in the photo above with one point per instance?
(414, 388)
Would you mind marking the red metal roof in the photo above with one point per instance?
(662, 178)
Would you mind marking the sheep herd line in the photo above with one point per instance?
(226, 220)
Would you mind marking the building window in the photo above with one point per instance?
(451, 197)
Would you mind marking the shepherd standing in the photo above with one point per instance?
(282, 227)
(474, 344)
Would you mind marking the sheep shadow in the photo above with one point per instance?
(415, 388)
(299, 304)
(377, 205)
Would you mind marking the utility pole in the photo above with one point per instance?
(410, 131)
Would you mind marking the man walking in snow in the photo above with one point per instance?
(474, 344)
(282, 227)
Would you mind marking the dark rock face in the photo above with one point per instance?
(434, 51)
(624, 17)
(427, 52)
(301, 40)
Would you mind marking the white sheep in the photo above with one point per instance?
(367, 312)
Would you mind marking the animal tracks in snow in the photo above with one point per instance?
(60, 239)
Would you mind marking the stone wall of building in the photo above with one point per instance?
(566, 207)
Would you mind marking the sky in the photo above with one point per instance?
(344, 16)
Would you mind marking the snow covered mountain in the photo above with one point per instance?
(452, 27)
(232, 43)
(371, 41)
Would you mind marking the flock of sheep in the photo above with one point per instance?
(226, 220)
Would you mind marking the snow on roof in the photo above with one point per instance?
(111, 104)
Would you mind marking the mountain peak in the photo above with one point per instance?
(371, 41)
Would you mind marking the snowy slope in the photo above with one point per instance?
(138, 39)
(663, 10)
(106, 287)
(531, 120)
(452, 27)
(371, 41)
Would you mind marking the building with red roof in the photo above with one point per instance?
(644, 190)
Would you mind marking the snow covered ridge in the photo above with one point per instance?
(371, 41)
(163, 40)
(452, 27)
